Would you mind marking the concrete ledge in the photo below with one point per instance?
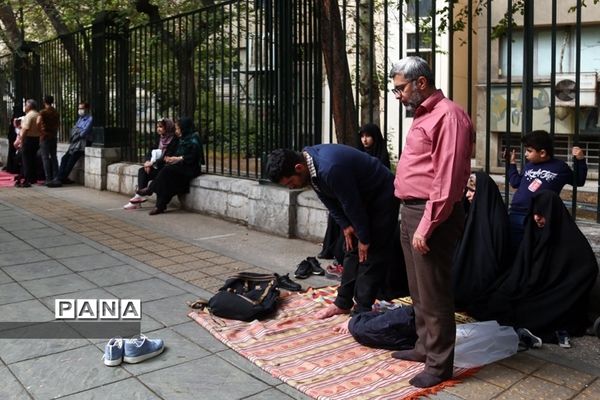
(264, 207)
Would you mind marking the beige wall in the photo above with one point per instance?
(461, 62)
(543, 12)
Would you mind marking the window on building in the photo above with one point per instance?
(425, 51)
(565, 51)
(425, 8)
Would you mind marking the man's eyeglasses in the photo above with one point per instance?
(400, 88)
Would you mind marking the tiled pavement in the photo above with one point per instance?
(76, 242)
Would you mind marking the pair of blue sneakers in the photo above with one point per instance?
(134, 350)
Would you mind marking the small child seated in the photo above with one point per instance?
(542, 171)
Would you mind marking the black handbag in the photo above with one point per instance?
(245, 296)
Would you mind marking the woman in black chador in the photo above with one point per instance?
(547, 288)
(482, 254)
(180, 168)
(371, 141)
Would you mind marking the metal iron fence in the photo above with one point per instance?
(514, 66)
(248, 72)
(251, 73)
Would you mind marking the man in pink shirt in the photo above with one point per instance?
(430, 178)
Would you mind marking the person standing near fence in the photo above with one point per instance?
(29, 142)
(48, 122)
(430, 178)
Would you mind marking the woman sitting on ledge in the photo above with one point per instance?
(179, 169)
(166, 146)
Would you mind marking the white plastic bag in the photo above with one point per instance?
(482, 343)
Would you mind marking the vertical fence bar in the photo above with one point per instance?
(488, 84)
(433, 36)
(507, 133)
(528, 66)
(401, 8)
(577, 103)
(385, 60)
(470, 58)
(357, 81)
(451, 50)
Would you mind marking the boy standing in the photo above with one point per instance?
(542, 171)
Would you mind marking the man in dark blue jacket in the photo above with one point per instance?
(358, 191)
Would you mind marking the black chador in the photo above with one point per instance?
(547, 289)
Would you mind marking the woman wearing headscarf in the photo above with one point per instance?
(372, 142)
(483, 252)
(165, 146)
(179, 169)
(546, 291)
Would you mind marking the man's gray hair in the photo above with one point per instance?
(411, 68)
(32, 103)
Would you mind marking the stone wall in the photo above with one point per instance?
(264, 207)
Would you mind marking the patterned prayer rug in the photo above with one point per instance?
(6, 179)
(308, 355)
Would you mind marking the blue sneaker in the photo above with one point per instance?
(140, 348)
(113, 352)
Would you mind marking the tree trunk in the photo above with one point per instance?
(338, 73)
(187, 86)
(369, 80)
(11, 31)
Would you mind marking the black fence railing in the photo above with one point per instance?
(248, 72)
(256, 75)
(65, 73)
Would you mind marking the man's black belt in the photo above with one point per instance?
(413, 202)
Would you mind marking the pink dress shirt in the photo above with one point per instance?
(436, 161)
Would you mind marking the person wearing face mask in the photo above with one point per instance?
(81, 136)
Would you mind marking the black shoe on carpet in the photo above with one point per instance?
(316, 266)
(303, 270)
(284, 282)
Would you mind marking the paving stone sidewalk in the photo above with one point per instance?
(77, 243)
